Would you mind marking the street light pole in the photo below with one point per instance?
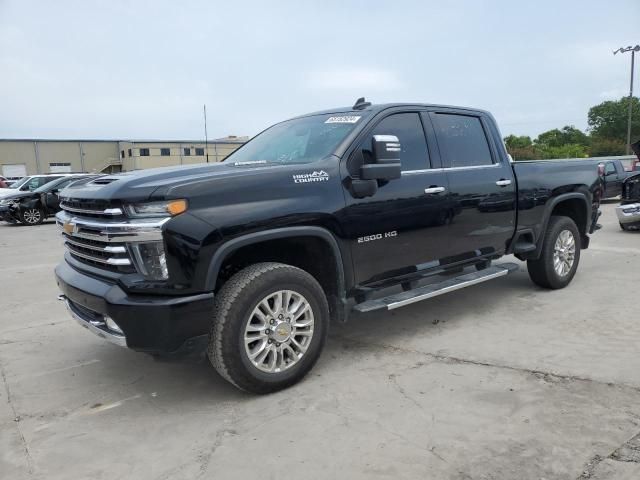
(206, 138)
(633, 51)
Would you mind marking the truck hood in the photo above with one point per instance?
(155, 183)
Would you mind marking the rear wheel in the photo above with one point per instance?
(270, 325)
(560, 254)
(32, 216)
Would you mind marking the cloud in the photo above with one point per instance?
(614, 94)
(351, 78)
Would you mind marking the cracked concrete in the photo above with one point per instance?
(500, 381)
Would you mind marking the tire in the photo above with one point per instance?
(235, 310)
(624, 227)
(32, 216)
(542, 271)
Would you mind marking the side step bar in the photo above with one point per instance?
(429, 291)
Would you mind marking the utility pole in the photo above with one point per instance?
(633, 51)
(206, 139)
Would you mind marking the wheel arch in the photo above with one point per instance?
(287, 245)
(574, 205)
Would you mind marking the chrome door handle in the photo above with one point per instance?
(503, 182)
(431, 190)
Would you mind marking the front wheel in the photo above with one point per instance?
(32, 216)
(560, 255)
(270, 324)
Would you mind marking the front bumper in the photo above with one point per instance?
(628, 214)
(153, 324)
(6, 214)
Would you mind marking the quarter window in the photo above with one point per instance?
(462, 140)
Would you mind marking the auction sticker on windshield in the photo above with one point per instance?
(343, 119)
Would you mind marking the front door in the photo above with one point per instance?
(482, 185)
(612, 180)
(401, 229)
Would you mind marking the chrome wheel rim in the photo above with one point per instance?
(564, 253)
(279, 331)
(31, 216)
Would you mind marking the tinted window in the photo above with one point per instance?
(408, 128)
(462, 140)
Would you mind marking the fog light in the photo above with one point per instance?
(112, 325)
(151, 260)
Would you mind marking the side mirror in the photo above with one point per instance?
(386, 159)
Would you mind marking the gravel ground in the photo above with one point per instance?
(499, 381)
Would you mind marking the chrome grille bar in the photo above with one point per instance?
(106, 211)
(107, 249)
(107, 261)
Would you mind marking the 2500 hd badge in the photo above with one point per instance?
(377, 236)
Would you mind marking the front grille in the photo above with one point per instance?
(112, 256)
(91, 208)
(631, 190)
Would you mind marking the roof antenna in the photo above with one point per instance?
(361, 104)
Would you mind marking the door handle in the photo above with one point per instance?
(432, 190)
(503, 182)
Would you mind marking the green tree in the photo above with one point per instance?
(514, 141)
(569, 135)
(608, 120)
(602, 147)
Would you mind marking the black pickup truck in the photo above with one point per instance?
(348, 210)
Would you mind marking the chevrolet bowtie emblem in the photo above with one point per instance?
(69, 228)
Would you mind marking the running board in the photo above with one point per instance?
(429, 291)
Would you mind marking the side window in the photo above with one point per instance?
(609, 168)
(408, 128)
(462, 140)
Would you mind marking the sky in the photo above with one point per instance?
(143, 69)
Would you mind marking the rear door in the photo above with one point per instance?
(481, 181)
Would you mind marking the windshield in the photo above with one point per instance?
(301, 140)
(59, 183)
(19, 183)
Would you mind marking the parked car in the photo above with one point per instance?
(32, 208)
(29, 183)
(614, 175)
(309, 221)
(628, 211)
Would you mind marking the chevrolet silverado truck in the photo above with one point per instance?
(358, 209)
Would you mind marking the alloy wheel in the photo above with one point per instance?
(279, 331)
(564, 253)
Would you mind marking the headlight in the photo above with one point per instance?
(166, 208)
(150, 260)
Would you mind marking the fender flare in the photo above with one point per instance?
(234, 244)
(549, 209)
